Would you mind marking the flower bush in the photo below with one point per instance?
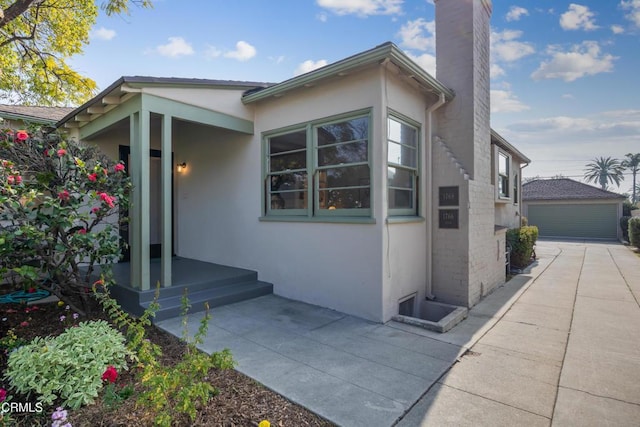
(59, 211)
(69, 366)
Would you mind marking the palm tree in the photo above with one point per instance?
(632, 162)
(604, 170)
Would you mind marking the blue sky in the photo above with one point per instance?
(564, 85)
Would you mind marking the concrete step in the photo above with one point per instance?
(215, 296)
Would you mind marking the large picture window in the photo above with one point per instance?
(320, 169)
(402, 167)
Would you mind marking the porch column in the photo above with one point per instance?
(140, 148)
(167, 193)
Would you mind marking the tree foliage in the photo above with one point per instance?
(37, 38)
(58, 212)
(604, 170)
(632, 163)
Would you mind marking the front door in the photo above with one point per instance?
(155, 203)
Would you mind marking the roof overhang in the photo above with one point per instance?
(497, 139)
(27, 118)
(377, 55)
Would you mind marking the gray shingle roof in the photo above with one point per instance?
(564, 189)
(35, 113)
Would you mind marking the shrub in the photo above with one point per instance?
(67, 367)
(624, 225)
(522, 241)
(59, 210)
(634, 231)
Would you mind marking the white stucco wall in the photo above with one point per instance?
(219, 206)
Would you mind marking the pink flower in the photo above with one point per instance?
(82, 231)
(63, 195)
(25, 323)
(107, 199)
(3, 394)
(92, 177)
(95, 210)
(10, 180)
(61, 152)
(105, 172)
(110, 374)
(119, 167)
(18, 179)
(22, 135)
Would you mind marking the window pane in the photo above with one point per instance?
(282, 162)
(348, 176)
(349, 130)
(402, 133)
(400, 199)
(288, 182)
(289, 200)
(402, 155)
(344, 199)
(503, 164)
(346, 153)
(288, 142)
(400, 178)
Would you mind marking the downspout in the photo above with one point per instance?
(429, 196)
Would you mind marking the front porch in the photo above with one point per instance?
(204, 282)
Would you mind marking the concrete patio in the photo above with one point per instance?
(559, 345)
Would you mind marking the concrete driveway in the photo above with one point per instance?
(559, 345)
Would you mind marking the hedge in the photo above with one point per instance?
(522, 241)
(624, 225)
(634, 231)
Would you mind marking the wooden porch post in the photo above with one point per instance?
(167, 167)
(140, 149)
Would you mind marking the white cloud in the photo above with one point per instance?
(309, 65)
(582, 60)
(426, 61)
(516, 12)
(244, 51)
(617, 29)
(103, 33)
(567, 96)
(322, 17)
(176, 47)
(212, 52)
(505, 101)
(633, 8)
(362, 7)
(277, 59)
(578, 17)
(418, 34)
(505, 47)
(496, 71)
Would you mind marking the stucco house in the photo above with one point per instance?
(362, 186)
(564, 207)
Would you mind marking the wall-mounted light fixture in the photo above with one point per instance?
(182, 166)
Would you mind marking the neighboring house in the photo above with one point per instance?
(567, 208)
(21, 116)
(360, 186)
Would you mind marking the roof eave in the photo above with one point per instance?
(343, 67)
(27, 118)
(507, 146)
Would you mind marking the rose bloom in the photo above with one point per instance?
(107, 199)
(61, 152)
(18, 179)
(95, 210)
(110, 374)
(63, 195)
(25, 323)
(82, 231)
(119, 167)
(10, 180)
(22, 135)
(3, 394)
(92, 177)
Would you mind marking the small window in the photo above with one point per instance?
(503, 175)
(402, 167)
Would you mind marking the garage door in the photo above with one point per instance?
(582, 221)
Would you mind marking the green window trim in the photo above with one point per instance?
(403, 159)
(336, 169)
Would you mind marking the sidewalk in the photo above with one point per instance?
(566, 353)
(559, 345)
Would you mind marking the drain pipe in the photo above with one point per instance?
(429, 195)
